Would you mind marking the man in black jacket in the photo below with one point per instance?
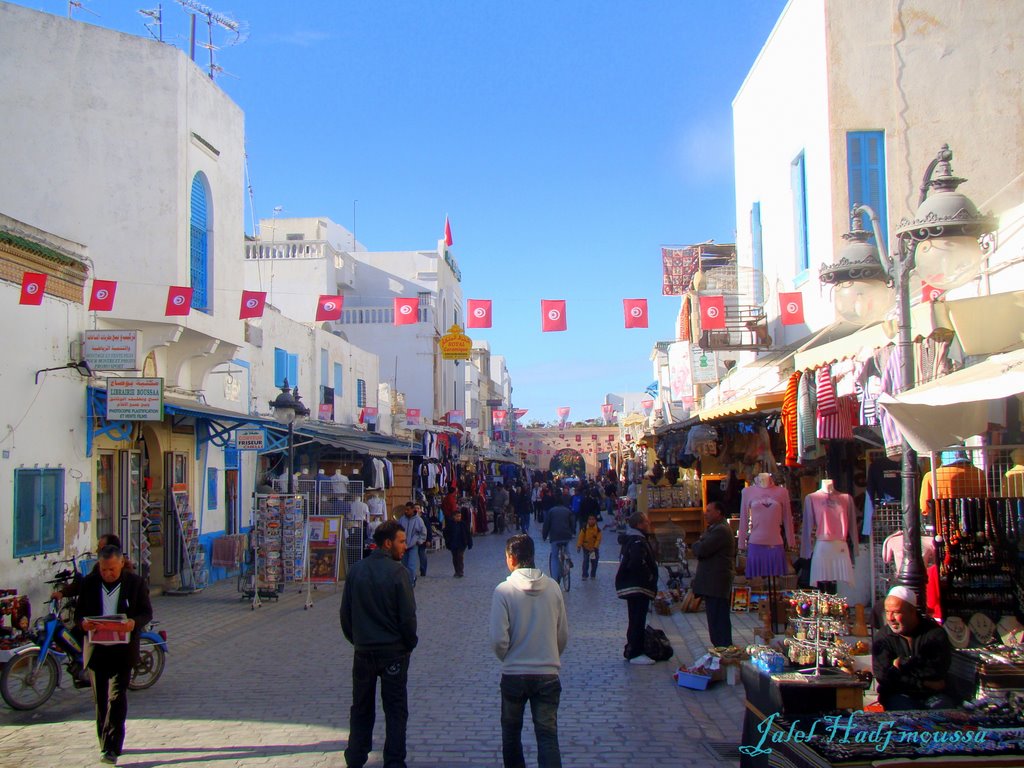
(110, 590)
(716, 562)
(560, 529)
(378, 616)
(910, 656)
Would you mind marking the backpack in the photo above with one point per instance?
(656, 644)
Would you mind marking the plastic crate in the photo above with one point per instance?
(690, 680)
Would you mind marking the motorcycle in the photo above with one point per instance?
(33, 672)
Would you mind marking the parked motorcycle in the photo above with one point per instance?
(33, 671)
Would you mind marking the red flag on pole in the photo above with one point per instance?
(447, 233)
(407, 311)
(712, 313)
(930, 293)
(328, 307)
(791, 308)
(179, 301)
(636, 312)
(478, 313)
(33, 286)
(552, 315)
(101, 299)
(252, 305)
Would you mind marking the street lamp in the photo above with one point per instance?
(942, 242)
(290, 411)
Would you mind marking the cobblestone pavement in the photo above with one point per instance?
(271, 687)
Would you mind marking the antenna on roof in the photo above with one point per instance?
(78, 4)
(239, 29)
(157, 17)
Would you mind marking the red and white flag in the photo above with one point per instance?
(179, 301)
(636, 312)
(447, 233)
(552, 315)
(101, 299)
(648, 406)
(252, 304)
(930, 293)
(478, 313)
(498, 416)
(607, 412)
(791, 308)
(328, 307)
(407, 311)
(33, 286)
(412, 417)
(712, 313)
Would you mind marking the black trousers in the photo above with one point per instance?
(458, 560)
(110, 694)
(393, 670)
(719, 616)
(636, 607)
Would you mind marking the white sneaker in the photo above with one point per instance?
(642, 660)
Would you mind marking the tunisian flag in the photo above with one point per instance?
(179, 301)
(636, 312)
(930, 293)
(407, 311)
(101, 299)
(33, 286)
(712, 313)
(478, 313)
(552, 315)
(447, 233)
(252, 304)
(328, 307)
(791, 308)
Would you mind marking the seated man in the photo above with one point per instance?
(910, 656)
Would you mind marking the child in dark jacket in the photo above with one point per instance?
(458, 537)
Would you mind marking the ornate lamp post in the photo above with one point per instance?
(942, 242)
(290, 411)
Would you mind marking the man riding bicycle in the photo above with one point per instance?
(560, 529)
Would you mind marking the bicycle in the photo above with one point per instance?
(564, 567)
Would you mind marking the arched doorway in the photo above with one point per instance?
(568, 462)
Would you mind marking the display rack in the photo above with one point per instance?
(678, 507)
(192, 565)
(818, 620)
(152, 535)
(278, 544)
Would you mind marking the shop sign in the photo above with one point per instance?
(704, 366)
(135, 399)
(680, 367)
(455, 345)
(111, 350)
(473, 423)
(250, 439)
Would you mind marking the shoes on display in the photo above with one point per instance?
(642, 660)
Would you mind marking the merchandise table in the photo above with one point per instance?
(774, 734)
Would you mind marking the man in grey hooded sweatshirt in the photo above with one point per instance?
(529, 631)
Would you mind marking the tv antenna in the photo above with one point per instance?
(72, 4)
(156, 17)
(240, 30)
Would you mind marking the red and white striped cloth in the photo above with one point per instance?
(838, 425)
(825, 391)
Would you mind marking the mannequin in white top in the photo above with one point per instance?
(829, 522)
(339, 483)
(764, 515)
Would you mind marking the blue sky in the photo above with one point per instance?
(566, 141)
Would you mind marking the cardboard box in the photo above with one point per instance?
(689, 680)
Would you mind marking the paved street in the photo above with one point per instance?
(272, 687)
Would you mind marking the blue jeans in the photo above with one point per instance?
(543, 692)
(411, 561)
(590, 560)
(553, 566)
(393, 670)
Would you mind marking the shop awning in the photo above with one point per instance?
(766, 401)
(951, 409)
(924, 320)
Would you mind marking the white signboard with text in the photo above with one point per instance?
(250, 438)
(135, 399)
(111, 350)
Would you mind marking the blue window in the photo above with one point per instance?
(293, 370)
(865, 168)
(798, 178)
(38, 511)
(199, 240)
(337, 379)
(360, 393)
(757, 249)
(211, 487)
(281, 367)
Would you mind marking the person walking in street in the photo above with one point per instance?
(110, 590)
(522, 506)
(458, 537)
(637, 583)
(529, 631)
(589, 542)
(415, 534)
(499, 507)
(378, 616)
(423, 546)
(559, 528)
(716, 554)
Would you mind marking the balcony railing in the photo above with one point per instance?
(306, 250)
(746, 327)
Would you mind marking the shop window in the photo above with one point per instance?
(104, 523)
(38, 511)
(360, 393)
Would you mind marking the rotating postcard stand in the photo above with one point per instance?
(278, 545)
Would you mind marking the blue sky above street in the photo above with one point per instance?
(566, 141)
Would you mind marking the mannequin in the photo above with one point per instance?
(828, 523)
(764, 515)
(378, 510)
(1014, 485)
(339, 482)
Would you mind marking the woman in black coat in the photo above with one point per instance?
(637, 583)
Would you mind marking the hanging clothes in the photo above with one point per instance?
(789, 420)
(891, 385)
(807, 433)
(829, 519)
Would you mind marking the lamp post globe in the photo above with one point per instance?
(863, 293)
(289, 411)
(283, 405)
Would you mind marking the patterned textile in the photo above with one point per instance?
(789, 420)
(891, 385)
(839, 425)
(807, 433)
(825, 391)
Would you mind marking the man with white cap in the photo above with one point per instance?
(910, 656)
